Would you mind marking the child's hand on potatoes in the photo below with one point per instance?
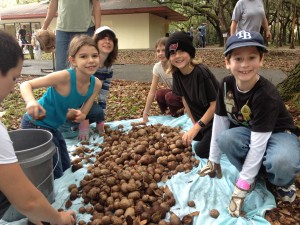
(35, 110)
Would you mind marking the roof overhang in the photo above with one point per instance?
(161, 11)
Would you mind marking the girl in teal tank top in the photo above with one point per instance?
(68, 90)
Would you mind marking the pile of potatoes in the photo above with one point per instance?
(121, 186)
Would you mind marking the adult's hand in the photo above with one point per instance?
(268, 35)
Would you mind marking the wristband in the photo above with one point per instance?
(243, 184)
(201, 124)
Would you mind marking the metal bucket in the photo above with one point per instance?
(34, 149)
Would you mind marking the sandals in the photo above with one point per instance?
(211, 169)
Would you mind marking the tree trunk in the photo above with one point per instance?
(290, 87)
(277, 24)
(292, 45)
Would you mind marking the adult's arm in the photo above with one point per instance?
(265, 25)
(22, 194)
(233, 27)
(53, 6)
(97, 13)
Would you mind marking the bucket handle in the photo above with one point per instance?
(52, 169)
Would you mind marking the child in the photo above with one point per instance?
(256, 129)
(164, 97)
(107, 43)
(74, 89)
(198, 88)
(36, 46)
(15, 188)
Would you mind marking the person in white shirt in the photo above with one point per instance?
(15, 188)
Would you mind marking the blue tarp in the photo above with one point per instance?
(207, 193)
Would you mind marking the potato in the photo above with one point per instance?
(214, 213)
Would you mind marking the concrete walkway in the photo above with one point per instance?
(142, 73)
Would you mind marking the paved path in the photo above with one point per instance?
(143, 73)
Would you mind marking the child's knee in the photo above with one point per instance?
(225, 138)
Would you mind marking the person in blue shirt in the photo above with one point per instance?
(202, 30)
(72, 90)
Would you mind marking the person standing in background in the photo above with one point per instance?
(192, 32)
(73, 17)
(249, 15)
(36, 47)
(202, 30)
(22, 36)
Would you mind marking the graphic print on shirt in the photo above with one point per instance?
(237, 115)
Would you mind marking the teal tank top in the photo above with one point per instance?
(57, 106)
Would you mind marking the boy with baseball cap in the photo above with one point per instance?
(251, 125)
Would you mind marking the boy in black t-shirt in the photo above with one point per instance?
(251, 125)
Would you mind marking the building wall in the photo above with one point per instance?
(134, 31)
(158, 28)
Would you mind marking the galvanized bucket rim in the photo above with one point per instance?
(35, 147)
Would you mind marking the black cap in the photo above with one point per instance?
(180, 41)
(244, 39)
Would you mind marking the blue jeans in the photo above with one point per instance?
(96, 114)
(62, 160)
(203, 45)
(281, 160)
(63, 40)
(202, 144)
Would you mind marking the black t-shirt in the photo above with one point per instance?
(198, 88)
(22, 32)
(268, 112)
